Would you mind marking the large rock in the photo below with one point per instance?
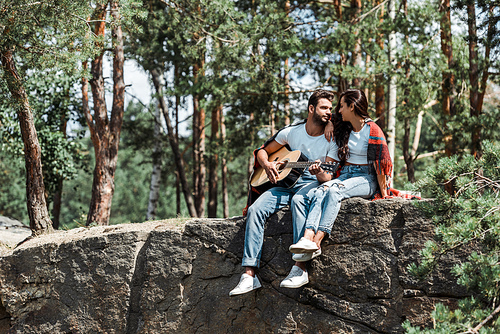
(12, 232)
(161, 277)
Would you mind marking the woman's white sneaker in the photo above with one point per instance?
(295, 279)
(304, 257)
(247, 283)
(304, 246)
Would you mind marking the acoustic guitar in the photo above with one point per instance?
(289, 170)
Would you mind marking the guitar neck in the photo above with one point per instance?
(299, 164)
(326, 166)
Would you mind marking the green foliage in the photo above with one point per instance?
(467, 316)
(13, 194)
(241, 47)
(54, 101)
(468, 217)
(46, 34)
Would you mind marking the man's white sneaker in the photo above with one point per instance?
(304, 246)
(304, 257)
(247, 283)
(295, 279)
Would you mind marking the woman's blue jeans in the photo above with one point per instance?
(267, 204)
(354, 181)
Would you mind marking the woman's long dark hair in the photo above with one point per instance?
(342, 129)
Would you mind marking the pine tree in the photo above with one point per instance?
(34, 36)
(469, 216)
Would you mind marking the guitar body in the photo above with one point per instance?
(287, 176)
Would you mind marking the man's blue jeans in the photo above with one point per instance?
(325, 202)
(267, 204)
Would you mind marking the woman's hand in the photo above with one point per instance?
(382, 183)
(329, 131)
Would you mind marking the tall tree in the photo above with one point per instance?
(35, 189)
(479, 66)
(158, 83)
(392, 90)
(105, 130)
(448, 76)
(154, 192)
(62, 157)
(213, 177)
(51, 95)
(34, 36)
(380, 111)
(199, 167)
(357, 57)
(409, 159)
(474, 77)
(224, 172)
(177, 105)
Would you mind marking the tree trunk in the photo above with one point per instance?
(409, 159)
(105, 133)
(40, 222)
(487, 50)
(474, 80)
(179, 162)
(272, 118)
(380, 101)
(357, 60)
(416, 136)
(342, 82)
(213, 178)
(368, 60)
(379, 86)
(199, 169)
(100, 205)
(225, 196)
(338, 9)
(154, 189)
(57, 198)
(56, 208)
(287, 90)
(287, 77)
(391, 120)
(177, 177)
(410, 167)
(448, 77)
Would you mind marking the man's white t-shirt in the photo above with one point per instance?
(313, 147)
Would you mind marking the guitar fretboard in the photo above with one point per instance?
(305, 164)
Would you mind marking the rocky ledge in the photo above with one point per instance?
(164, 277)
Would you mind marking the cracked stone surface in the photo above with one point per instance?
(164, 277)
(12, 232)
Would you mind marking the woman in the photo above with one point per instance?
(366, 166)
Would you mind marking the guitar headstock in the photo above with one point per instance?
(330, 167)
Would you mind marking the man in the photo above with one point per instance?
(309, 139)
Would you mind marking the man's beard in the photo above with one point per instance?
(318, 119)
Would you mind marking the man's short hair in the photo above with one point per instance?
(320, 94)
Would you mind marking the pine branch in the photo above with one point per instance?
(476, 329)
(220, 39)
(456, 177)
(360, 18)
